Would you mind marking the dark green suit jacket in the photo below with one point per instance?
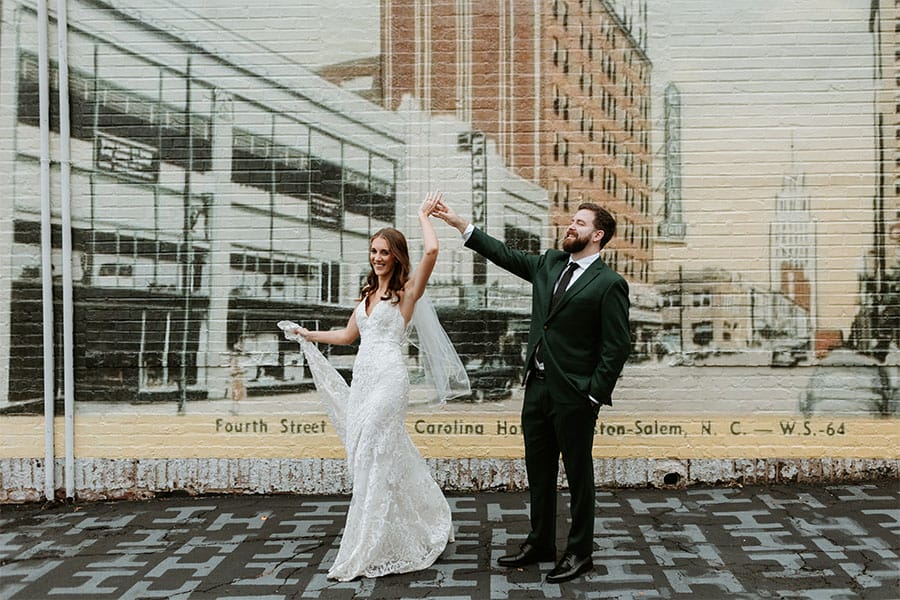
(586, 339)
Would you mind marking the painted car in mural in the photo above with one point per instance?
(847, 383)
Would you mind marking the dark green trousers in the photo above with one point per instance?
(551, 429)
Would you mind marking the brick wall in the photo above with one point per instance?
(228, 168)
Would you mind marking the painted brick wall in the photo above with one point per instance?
(228, 166)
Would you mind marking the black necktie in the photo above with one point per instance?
(563, 284)
(560, 290)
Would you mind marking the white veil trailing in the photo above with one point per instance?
(443, 368)
(334, 389)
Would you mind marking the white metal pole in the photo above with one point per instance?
(62, 34)
(46, 249)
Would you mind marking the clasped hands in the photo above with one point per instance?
(431, 202)
(434, 205)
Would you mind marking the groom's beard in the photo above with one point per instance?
(575, 244)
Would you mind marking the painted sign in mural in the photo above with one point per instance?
(227, 171)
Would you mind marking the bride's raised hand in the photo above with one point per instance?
(431, 201)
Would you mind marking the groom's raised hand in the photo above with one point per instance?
(446, 214)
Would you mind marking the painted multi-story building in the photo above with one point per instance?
(562, 86)
(706, 313)
(486, 313)
(792, 268)
(209, 197)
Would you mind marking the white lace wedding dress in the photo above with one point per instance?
(399, 520)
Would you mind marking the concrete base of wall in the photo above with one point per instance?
(22, 480)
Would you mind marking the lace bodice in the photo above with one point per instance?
(384, 326)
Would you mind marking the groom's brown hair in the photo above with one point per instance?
(603, 220)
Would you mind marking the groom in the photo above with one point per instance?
(577, 345)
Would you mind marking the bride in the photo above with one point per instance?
(399, 520)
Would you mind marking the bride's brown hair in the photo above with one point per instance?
(400, 275)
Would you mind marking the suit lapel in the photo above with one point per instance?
(580, 283)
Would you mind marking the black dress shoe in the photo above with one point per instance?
(569, 567)
(527, 555)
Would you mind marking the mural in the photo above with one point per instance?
(227, 171)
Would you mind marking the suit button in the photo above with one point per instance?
(546, 327)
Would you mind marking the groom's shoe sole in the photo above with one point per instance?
(527, 555)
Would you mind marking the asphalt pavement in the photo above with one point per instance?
(828, 541)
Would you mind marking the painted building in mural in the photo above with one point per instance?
(790, 325)
(195, 188)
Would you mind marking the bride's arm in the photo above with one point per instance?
(338, 337)
(415, 287)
